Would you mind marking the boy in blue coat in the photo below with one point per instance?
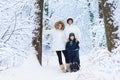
(72, 48)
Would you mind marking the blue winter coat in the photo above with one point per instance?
(72, 49)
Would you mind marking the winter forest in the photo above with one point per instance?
(25, 43)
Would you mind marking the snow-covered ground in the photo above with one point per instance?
(100, 65)
(18, 60)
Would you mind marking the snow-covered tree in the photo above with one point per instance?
(37, 40)
(16, 26)
(108, 8)
(85, 15)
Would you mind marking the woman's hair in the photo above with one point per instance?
(69, 19)
(57, 25)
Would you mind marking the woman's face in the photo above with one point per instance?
(70, 22)
(72, 37)
(60, 26)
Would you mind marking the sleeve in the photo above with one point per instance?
(64, 37)
(77, 46)
(66, 32)
(66, 46)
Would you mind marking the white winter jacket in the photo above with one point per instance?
(74, 29)
(58, 40)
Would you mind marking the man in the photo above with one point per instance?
(70, 28)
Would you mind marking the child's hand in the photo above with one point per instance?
(76, 49)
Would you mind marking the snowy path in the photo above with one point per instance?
(31, 70)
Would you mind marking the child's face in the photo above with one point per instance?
(72, 37)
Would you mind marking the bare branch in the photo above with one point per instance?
(20, 29)
(12, 6)
(5, 33)
(13, 28)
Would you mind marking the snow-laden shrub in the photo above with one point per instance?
(98, 36)
(10, 56)
(106, 61)
(17, 21)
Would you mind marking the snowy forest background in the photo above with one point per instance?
(20, 28)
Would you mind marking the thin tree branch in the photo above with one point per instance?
(5, 33)
(13, 28)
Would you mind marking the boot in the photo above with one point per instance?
(68, 68)
(62, 68)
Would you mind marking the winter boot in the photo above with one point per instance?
(62, 68)
(68, 68)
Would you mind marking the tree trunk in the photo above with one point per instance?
(110, 28)
(37, 40)
(41, 2)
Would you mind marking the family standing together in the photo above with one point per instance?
(65, 40)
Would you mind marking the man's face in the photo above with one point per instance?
(70, 22)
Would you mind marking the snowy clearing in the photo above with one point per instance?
(90, 69)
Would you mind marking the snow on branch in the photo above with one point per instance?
(17, 23)
(13, 28)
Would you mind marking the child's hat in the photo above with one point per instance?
(71, 34)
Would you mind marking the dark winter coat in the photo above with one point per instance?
(72, 48)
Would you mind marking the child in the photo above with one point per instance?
(72, 48)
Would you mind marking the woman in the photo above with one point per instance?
(58, 44)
